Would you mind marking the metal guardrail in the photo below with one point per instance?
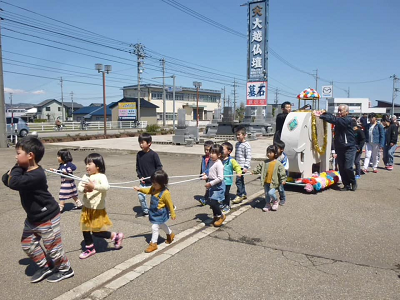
(95, 125)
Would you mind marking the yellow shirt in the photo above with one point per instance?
(270, 172)
(165, 200)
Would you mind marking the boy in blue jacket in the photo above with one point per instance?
(205, 166)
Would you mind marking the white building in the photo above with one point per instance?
(185, 97)
(357, 106)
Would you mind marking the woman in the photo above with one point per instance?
(374, 138)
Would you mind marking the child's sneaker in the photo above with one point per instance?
(87, 253)
(282, 202)
(152, 247)
(41, 274)
(78, 205)
(226, 209)
(118, 240)
(60, 275)
(237, 199)
(219, 221)
(358, 176)
(390, 168)
(275, 205)
(375, 170)
(202, 201)
(170, 238)
(61, 207)
(267, 207)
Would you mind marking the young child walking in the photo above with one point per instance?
(147, 162)
(272, 176)
(161, 207)
(282, 157)
(243, 157)
(68, 188)
(216, 185)
(42, 222)
(230, 165)
(205, 166)
(94, 218)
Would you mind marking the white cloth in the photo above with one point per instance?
(156, 231)
(371, 154)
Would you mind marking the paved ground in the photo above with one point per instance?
(330, 245)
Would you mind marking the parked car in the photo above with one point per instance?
(19, 125)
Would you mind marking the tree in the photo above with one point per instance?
(240, 112)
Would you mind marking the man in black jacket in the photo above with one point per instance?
(345, 144)
(280, 119)
(391, 135)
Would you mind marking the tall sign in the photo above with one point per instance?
(127, 111)
(257, 53)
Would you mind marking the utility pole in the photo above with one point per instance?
(394, 92)
(72, 106)
(348, 92)
(316, 79)
(234, 98)
(276, 96)
(139, 51)
(164, 116)
(3, 128)
(62, 101)
(224, 97)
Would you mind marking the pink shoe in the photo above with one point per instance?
(118, 240)
(267, 207)
(275, 205)
(88, 252)
(375, 170)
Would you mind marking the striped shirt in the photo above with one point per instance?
(243, 154)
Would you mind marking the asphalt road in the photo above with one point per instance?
(330, 245)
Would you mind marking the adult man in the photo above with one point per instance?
(280, 119)
(345, 144)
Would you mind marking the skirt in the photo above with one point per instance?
(68, 190)
(95, 220)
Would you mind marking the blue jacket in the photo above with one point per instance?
(378, 134)
(230, 165)
(205, 166)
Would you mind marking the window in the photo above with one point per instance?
(156, 96)
(59, 109)
(48, 108)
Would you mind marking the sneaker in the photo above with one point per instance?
(41, 274)
(354, 186)
(170, 238)
(364, 171)
(267, 208)
(220, 220)
(375, 170)
(152, 247)
(282, 202)
(142, 214)
(87, 253)
(61, 207)
(118, 240)
(358, 176)
(60, 275)
(237, 199)
(78, 205)
(202, 201)
(275, 205)
(390, 168)
(226, 209)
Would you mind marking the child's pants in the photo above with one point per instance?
(142, 199)
(241, 188)
(50, 233)
(282, 195)
(371, 153)
(87, 236)
(388, 154)
(357, 162)
(156, 231)
(227, 201)
(270, 194)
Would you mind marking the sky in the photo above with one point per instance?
(354, 43)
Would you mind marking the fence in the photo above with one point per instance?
(95, 125)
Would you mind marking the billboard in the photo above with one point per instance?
(257, 93)
(127, 111)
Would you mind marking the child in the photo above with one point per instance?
(230, 165)
(216, 185)
(285, 162)
(147, 162)
(161, 207)
(243, 157)
(43, 214)
(360, 141)
(205, 166)
(272, 176)
(68, 188)
(94, 217)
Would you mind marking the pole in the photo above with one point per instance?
(104, 103)
(72, 108)
(138, 50)
(12, 118)
(138, 90)
(163, 94)
(234, 98)
(62, 101)
(393, 92)
(224, 97)
(173, 105)
(3, 128)
(276, 96)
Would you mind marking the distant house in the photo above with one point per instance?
(126, 110)
(71, 108)
(51, 109)
(92, 113)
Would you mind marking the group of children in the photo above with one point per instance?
(43, 212)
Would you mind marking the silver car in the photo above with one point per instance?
(19, 126)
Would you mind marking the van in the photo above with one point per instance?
(19, 126)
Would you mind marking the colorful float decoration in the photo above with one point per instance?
(317, 182)
(308, 94)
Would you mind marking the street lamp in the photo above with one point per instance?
(107, 69)
(197, 85)
(173, 98)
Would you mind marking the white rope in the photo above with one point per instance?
(126, 182)
(184, 181)
(66, 176)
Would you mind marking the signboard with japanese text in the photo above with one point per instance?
(257, 93)
(257, 64)
(127, 111)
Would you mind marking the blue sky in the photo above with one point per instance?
(354, 43)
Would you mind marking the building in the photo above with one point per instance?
(51, 109)
(185, 97)
(388, 106)
(357, 106)
(126, 110)
(92, 113)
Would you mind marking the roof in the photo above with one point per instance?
(382, 103)
(69, 104)
(93, 110)
(143, 103)
(160, 86)
(66, 104)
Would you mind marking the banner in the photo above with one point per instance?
(257, 93)
(127, 111)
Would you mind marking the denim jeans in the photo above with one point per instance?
(282, 195)
(388, 154)
(142, 199)
(270, 194)
(241, 189)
